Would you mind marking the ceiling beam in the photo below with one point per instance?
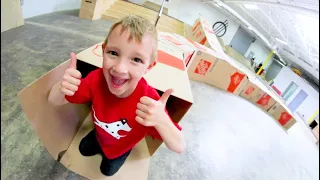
(296, 9)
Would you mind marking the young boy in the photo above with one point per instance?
(124, 107)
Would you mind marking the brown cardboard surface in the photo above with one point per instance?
(250, 91)
(55, 126)
(315, 131)
(11, 14)
(282, 116)
(264, 100)
(200, 66)
(136, 165)
(219, 73)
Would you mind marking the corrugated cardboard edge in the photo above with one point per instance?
(55, 126)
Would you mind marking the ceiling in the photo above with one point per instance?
(290, 27)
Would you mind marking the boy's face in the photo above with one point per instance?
(125, 62)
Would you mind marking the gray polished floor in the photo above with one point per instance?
(227, 137)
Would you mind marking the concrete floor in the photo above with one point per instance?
(227, 137)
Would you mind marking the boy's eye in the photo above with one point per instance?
(113, 53)
(137, 60)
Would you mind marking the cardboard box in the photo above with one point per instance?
(93, 9)
(60, 129)
(250, 91)
(315, 131)
(203, 33)
(176, 45)
(216, 72)
(264, 100)
(282, 116)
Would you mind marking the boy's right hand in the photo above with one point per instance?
(71, 78)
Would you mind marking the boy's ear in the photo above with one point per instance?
(103, 46)
(152, 65)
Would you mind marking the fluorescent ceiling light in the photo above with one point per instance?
(251, 6)
(250, 28)
(283, 42)
(219, 3)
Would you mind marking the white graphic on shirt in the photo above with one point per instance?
(112, 128)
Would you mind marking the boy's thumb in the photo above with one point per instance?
(73, 60)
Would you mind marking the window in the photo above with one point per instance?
(289, 91)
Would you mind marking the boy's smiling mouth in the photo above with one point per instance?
(117, 82)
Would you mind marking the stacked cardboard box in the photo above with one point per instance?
(282, 116)
(224, 74)
(93, 9)
(203, 33)
(206, 65)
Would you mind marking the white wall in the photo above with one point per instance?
(310, 104)
(261, 53)
(32, 8)
(188, 11)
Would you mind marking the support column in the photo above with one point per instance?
(265, 62)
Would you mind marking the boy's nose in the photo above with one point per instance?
(120, 68)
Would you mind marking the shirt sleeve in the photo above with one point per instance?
(84, 93)
(151, 130)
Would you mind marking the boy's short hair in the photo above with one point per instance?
(138, 27)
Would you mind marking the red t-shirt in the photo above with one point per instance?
(117, 131)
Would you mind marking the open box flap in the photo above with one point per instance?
(55, 126)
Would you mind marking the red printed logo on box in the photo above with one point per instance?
(203, 41)
(249, 90)
(203, 67)
(97, 50)
(235, 80)
(196, 26)
(199, 34)
(284, 118)
(174, 41)
(264, 100)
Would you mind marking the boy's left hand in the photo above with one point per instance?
(151, 112)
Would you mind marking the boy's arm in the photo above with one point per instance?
(56, 97)
(152, 113)
(171, 135)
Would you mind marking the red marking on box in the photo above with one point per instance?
(235, 80)
(284, 118)
(170, 60)
(202, 67)
(203, 41)
(264, 100)
(249, 90)
(196, 26)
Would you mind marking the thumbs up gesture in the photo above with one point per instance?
(151, 112)
(71, 78)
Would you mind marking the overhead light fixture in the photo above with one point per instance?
(251, 6)
(219, 4)
(281, 41)
(250, 28)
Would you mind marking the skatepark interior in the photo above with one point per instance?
(227, 137)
